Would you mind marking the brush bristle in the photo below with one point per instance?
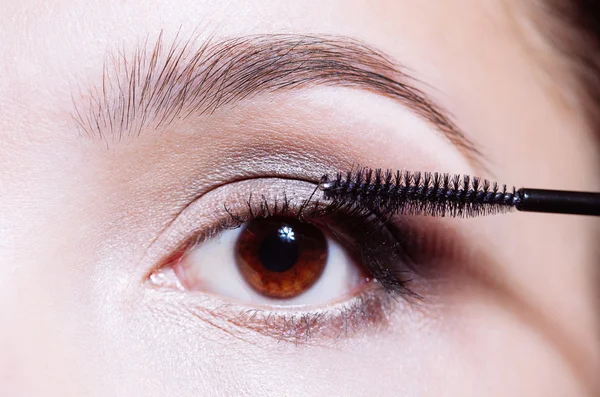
(415, 193)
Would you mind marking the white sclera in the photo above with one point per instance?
(211, 267)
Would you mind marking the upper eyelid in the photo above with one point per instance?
(259, 208)
(154, 85)
(177, 232)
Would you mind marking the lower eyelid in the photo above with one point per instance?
(370, 311)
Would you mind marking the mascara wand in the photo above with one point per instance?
(440, 194)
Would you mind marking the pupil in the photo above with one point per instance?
(278, 252)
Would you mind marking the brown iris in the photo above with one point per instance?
(281, 257)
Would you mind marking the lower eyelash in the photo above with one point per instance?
(370, 310)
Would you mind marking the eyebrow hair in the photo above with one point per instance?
(154, 85)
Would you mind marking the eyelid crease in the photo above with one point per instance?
(155, 85)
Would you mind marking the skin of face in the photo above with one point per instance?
(519, 316)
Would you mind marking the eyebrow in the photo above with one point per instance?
(152, 86)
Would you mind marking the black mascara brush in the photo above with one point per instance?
(438, 194)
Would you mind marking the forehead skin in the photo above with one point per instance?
(70, 329)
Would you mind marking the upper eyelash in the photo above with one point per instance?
(391, 279)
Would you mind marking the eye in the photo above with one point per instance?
(289, 265)
(276, 260)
